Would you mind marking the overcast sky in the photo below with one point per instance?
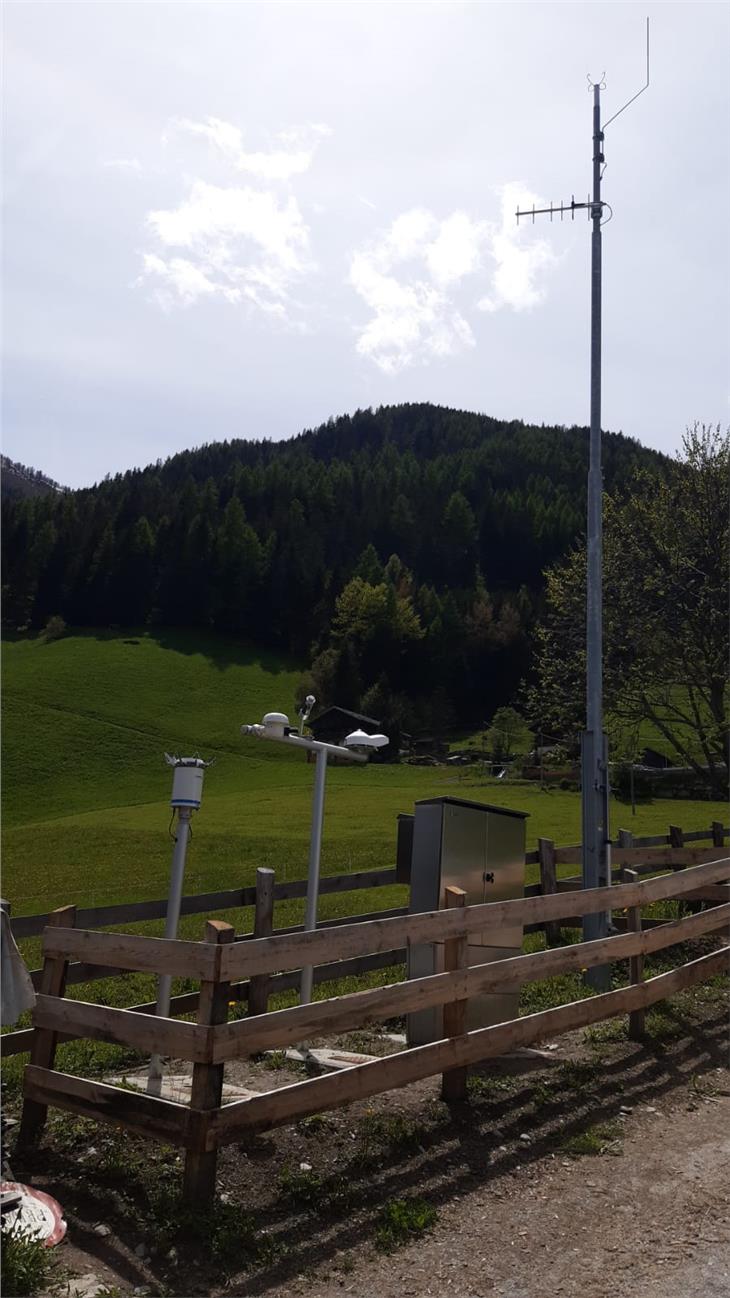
(235, 220)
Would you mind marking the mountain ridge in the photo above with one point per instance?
(401, 549)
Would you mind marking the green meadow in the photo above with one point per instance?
(87, 720)
(86, 790)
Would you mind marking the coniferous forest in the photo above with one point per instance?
(400, 551)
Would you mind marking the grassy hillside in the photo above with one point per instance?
(86, 810)
(87, 718)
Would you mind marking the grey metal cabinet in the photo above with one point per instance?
(481, 849)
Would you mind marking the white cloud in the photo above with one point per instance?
(245, 243)
(415, 315)
(240, 243)
(178, 280)
(518, 257)
(278, 164)
(457, 249)
(413, 321)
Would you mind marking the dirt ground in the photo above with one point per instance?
(520, 1211)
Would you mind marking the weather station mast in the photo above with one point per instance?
(594, 742)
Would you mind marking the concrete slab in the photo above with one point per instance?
(177, 1086)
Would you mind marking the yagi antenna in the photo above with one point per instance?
(639, 92)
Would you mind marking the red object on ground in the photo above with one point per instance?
(39, 1215)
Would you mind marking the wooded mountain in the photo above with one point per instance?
(401, 549)
(20, 480)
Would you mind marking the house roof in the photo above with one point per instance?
(335, 712)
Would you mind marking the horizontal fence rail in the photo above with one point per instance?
(266, 955)
(136, 912)
(273, 963)
(286, 1026)
(547, 856)
(25, 926)
(358, 1083)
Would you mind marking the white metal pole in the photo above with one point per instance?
(315, 849)
(177, 878)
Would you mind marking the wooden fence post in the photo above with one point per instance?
(676, 836)
(636, 963)
(548, 884)
(207, 1088)
(453, 1082)
(625, 839)
(43, 1048)
(258, 987)
(718, 834)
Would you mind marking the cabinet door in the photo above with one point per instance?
(504, 873)
(463, 852)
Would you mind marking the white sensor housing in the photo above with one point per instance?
(358, 739)
(275, 723)
(187, 786)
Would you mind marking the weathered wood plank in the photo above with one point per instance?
(125, 1027)
(339, 922)
(636, 965)
(263, 926)
(78, 972)
(43, 1045)
(269, 954)
(231, 899)
(16, 1043)
(285, 1027)
(207, 1085)
(129, 951)
(164, 1120)
(549, 884)
(569, 855)
(456, 957)
(719, 892)
(358, 1083)
(657, 858)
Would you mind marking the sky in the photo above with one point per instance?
(239, 219)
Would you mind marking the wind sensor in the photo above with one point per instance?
(355, 748)
(594, 742)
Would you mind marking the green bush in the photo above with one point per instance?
(55, 628)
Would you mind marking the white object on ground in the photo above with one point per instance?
(18, 993)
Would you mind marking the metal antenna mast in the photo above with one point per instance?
(594, 743)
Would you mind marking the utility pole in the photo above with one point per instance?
(594, 744)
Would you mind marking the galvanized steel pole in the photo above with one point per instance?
(174, 904)
(594, 754)
(315, 851)
(594, 744)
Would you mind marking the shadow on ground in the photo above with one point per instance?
(278, 1220)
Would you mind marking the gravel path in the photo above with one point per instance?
(653, 1223)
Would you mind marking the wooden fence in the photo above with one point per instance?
(266, 892)
(220, 963)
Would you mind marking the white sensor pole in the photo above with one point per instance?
(276, 726)
(187, 791)
(315, 850)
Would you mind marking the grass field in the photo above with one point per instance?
(86, 795)
(85, 788)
